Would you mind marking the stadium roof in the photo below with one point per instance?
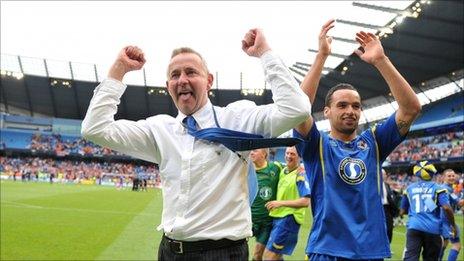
(423, 48)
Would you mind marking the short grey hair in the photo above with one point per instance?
(181, 50)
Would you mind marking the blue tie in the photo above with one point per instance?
(236, 140)
(239, 141)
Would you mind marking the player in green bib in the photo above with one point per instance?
(289, 208)
(268, 177)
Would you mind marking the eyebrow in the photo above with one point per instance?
(347, 102)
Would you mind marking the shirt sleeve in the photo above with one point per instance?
(387, 136)
(278, 166)
(443, 198)
(310, 143)
(133, 138)
(303, 185)
(291, 106)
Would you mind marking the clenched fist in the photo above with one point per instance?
(254, 43)
(130, 58)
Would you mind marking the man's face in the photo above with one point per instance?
(291, 157)
(258, 155)
(188, 82)
(344, 111)
(449, 177)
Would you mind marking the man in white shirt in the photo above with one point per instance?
(206, 212)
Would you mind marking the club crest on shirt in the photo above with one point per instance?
(362, 145)
(265, 193)
(352, 171)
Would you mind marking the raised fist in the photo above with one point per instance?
(254, 43)
(130, 58)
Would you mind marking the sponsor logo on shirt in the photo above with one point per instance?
(265, 193)
(362, 145)
(352, 171)
(272, 173)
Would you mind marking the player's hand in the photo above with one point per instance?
(324, 40)
(254, 43)
(373, 50)
(272, 204)
(130, 58)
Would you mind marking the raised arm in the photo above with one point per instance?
(290, 106)
(311, 81)
(129, 137)
(408, 103)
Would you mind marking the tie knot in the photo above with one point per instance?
(191, 123)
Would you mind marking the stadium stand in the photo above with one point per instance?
(448, 111)
(44, 149)
(41, 111)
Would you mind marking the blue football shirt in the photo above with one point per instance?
(423, 200)
(345, 182)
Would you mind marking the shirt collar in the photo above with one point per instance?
(203, 116)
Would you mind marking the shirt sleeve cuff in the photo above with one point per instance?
(269, 57)
(112, 86)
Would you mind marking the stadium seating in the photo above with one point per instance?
(449, 110)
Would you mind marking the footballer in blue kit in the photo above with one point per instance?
(422, 201)
(346, 187)
(344, 168)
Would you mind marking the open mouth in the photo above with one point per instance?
(185, 95)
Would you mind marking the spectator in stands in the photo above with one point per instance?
(212, 172)
(344, 167)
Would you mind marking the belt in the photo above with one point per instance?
(180, 247)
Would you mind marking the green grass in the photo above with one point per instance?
(40, 221)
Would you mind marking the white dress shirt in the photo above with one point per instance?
(205, 190)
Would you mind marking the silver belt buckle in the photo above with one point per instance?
(181, 249)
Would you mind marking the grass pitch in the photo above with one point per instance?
(41, 221)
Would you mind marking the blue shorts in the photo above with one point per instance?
(322, 257)
(446, 233)
(284, 235)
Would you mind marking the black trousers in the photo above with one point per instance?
(389, 220)
(234, 253)
(429, 243)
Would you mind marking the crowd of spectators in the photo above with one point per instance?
(447, 145)
(61, 147)
(67, 171)
(33, 168)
